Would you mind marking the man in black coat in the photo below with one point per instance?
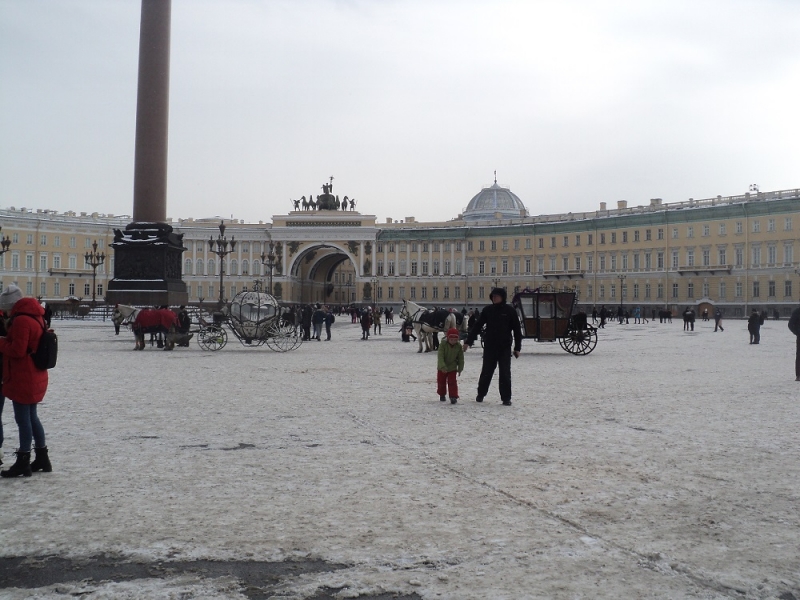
(794, 327)
(501, 322)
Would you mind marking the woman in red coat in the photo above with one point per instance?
(23, 383)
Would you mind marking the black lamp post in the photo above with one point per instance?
(94, 259)
(220, 248)
(621, 284)
(269, 260)
(4, 244)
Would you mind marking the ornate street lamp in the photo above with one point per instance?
(220, 248)
(270, 261)
(4, 244)
(94, 259)
(621, 284)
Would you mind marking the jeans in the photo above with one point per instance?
(30, 428)
(491, 360)
(317, 330)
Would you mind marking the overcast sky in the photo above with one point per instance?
(410, 105)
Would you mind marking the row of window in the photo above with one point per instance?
(639, 291)
(625, 262)
(73, 240)
(71, 289)
(589, 238)
(73, 262)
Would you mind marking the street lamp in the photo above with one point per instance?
(220, 248)
(4, 244)
(269, 260)
(621, 283)
(94, 259)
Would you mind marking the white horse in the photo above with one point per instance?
(427, 321)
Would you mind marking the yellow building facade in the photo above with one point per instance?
(738, 253)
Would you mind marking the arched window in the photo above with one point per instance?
(245, 267)
(257, 268)
(212, 267)
(234, 267)
(199, 266)
(187, 266)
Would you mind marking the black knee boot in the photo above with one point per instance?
(21, 467)
(42, 461)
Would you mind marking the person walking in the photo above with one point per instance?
(366, 323)
(2, 397)
(603, 316)
(754, 327)
(500, 321)
(794, 327)
(594, 315)
(116, 319)
(376, 321)
(329, 320)
(23, 383)
(718, 320)
(450, 363)
(317, 320)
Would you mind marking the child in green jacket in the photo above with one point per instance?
(450, 365)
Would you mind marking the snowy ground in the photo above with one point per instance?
(664, 465)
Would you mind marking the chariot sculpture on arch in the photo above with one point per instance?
(325, 201)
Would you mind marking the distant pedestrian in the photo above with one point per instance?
(500, 321)
(688, 319)
(603, 316)
(637, 315)
(116, 319)
(705, 314)
(376, 322)
(450, 363)
(754, 326)
(317, 321)
(794, 327)
(366, 323)
(718, 320)
(329, 320)
(594, 315)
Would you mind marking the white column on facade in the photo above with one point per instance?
(360, 258)
(374, 258)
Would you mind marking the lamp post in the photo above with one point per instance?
(621, 283)
(4, 244)
(94, 259)
(220, 248)
(374, 282)
(268, 259)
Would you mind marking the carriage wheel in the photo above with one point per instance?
(212, 338)
(579, 341)
(279, 337)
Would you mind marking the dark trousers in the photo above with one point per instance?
(493, 358)
(797, 359)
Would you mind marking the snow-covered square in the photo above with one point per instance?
(663, 465)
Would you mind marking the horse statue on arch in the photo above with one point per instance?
(427, 321)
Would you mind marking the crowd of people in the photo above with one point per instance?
(24, 321)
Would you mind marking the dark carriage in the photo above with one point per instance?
(547, 315)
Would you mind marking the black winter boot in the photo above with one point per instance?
(21, 467)
(42, 461)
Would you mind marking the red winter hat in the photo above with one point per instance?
(452, 332)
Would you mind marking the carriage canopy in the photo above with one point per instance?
(252, 314)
